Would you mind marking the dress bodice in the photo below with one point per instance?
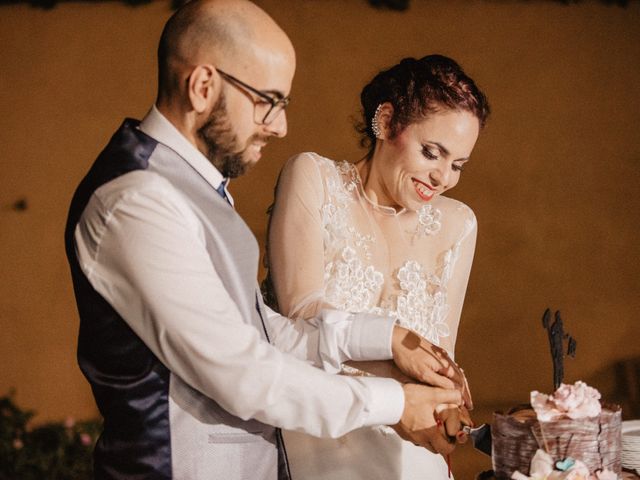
(410, 265)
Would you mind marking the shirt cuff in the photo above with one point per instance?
(370, 337)
(387, 401)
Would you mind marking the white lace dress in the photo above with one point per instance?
(330, 246)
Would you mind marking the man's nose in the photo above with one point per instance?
(278, 128)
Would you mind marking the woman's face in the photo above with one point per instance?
(424, 160)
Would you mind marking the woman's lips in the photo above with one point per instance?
(424, 191)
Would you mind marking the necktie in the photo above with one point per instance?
(221, 191)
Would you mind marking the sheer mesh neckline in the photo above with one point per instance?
(390, 211)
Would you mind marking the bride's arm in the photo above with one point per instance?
(295, 247)
(455, 281)
(458, 277)
(333, 337)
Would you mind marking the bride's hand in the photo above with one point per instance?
(428, 363)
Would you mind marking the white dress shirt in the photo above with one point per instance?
(139, 244)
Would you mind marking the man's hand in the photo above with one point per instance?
(419, 423)
(427, 363)
(453, 419)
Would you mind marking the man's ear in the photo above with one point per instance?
(203, 88)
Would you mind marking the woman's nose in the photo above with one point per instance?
(440, 175)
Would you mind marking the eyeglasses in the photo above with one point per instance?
(267, 107)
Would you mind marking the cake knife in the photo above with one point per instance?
(480, 437)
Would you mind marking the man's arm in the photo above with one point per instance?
(337, 337)
(142, 250)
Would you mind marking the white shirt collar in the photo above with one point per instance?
(158, 127)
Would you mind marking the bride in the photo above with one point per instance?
(378, 236)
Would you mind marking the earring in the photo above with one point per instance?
(375, 127)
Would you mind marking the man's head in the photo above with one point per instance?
(225, 72)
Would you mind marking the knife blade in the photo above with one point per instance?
(480, 437)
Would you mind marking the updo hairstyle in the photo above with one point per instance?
(416, 89)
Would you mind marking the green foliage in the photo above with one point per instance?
(53, 451)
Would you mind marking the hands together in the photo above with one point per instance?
(420, 360)
(434, 415)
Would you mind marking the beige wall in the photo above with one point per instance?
(553, 180)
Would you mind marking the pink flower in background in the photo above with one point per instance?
(69, 422)
(86, 439)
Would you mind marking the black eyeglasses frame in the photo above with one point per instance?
(279, 104)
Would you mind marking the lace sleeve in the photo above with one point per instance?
(295, 226)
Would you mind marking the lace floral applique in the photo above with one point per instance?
(362, 241)
(341, 187)
(428, 220)
(417, 308)
(335, 213)
(334, 222)
(349, 285)
(338, 191)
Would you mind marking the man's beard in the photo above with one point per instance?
(221, 143)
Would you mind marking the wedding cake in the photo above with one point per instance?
(567, 435)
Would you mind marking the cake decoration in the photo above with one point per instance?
(542, 468)
(567, 435)
(557, 337)
(574, 401)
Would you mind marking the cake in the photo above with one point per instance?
(570, 434)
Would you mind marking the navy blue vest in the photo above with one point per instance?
(129, 383)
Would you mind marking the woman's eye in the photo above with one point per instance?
(429, 154)
(457, 168)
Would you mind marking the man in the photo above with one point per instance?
(174, 338)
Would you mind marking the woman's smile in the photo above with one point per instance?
(424, 191)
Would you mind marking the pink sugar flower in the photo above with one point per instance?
(606, 474)
(574, 401)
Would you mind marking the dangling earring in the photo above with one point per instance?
(375, 126)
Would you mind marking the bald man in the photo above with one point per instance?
(193, 375)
